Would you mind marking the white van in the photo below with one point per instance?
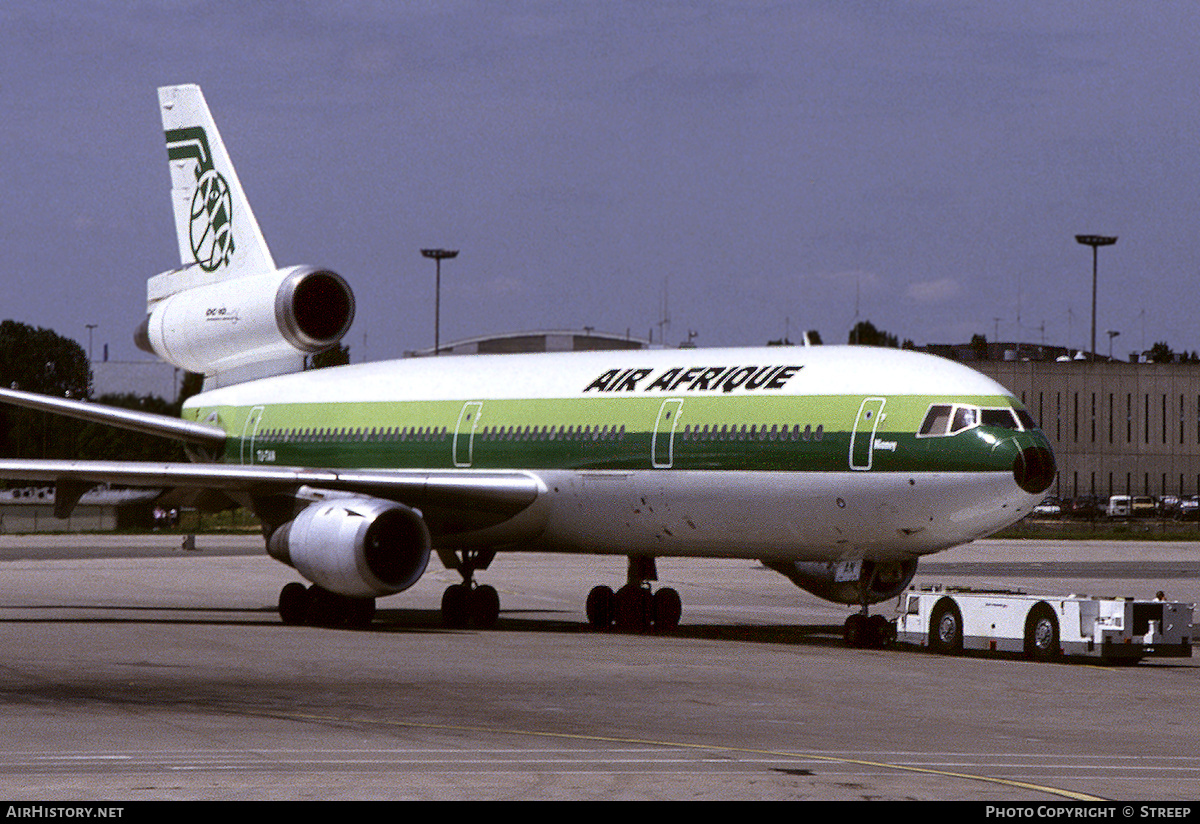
(1120, 506)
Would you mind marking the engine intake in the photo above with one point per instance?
(357, 546)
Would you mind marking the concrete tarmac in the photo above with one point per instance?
(133, 670)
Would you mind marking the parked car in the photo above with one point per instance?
(1120, 506)
(1189, 509)
(1168, 506)
(1143, 507)
(1048, 508)
(1085, 507)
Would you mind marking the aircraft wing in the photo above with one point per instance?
(459, 496)
(202, 434)
(451, 499)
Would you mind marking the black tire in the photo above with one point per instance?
(634, 605)
(601, 606)
(945, 628)
(293, 604)
(880, 632)
(667, 607)
(454, 606)
(484, 606)
(1041, 633)
(854, 630)
(360, 612)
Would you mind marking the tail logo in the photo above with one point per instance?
(211, 229)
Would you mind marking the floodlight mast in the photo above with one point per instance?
(438, 256)
(1095, 241)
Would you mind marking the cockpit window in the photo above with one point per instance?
(949, 419)
(937, 421)
(1003, 418)
(964, 418)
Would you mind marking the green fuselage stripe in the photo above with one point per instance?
(789, 433)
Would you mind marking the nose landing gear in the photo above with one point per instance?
(865, 631)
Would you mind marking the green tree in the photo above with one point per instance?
(191, 384)
(337, 355)
(1161, 353)
(864, 333)
(100, 442)
(979, 347)
(38, 360)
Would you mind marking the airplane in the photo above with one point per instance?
(836, 466)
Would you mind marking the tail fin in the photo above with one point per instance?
(215, 227)
(228, 313)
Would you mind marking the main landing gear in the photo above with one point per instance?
(633, 607)
(316, 607)
(470, 604)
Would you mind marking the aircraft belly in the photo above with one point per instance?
(772, 515)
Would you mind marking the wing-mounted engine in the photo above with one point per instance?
(248, 327)
(360, 547)
(847, 584)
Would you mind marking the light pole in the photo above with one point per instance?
(1095, 241)
(438, 256)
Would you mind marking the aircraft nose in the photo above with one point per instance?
(1033, 468)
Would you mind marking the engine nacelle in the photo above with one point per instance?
(245, 323)
(359, 547)
(880, 580)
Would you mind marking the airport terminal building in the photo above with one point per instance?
(1116, 427)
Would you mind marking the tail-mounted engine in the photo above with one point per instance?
(356, 546)
(877, 580)
(246, 327)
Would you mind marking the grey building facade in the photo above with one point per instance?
(1116, 428)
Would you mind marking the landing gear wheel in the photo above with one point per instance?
(329, 609)
(484, 607)
(880, 631)
(867, 631)
(601, 607)
(1041, 634)
(945, 628)
(293, 604)
(454, 606)
(466, 606)
(667, 608)
(360, 612)
(315, 606)
(634, 604)
(854, 630)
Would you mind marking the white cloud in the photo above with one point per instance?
(934, 291)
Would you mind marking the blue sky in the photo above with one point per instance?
(761, 168)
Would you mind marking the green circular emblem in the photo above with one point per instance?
(211, 231)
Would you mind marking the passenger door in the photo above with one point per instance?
(862, 439)
(464, 433)
(662, 445)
